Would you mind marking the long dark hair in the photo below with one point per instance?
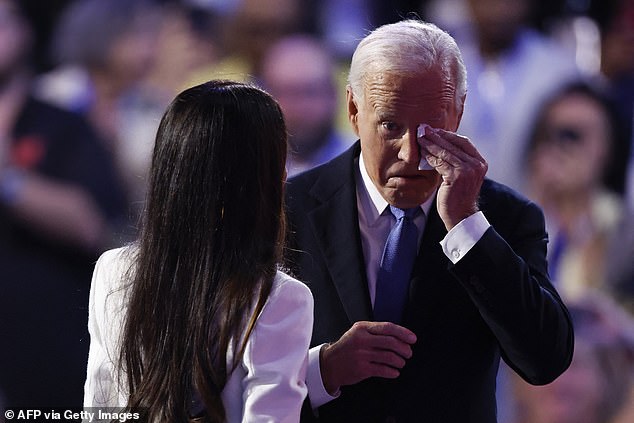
(211, 238)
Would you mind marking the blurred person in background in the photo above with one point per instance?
(617, 73)
(300, 73)
(598, 386)
(617, 76)
(59, 200)
(568, 154)
(44, 15)
(187, 42)
(104, 49)
(620, 270)
(512, 68)
(247, 32)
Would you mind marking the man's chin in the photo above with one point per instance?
(405, 197)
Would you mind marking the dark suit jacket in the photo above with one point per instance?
(497, 301)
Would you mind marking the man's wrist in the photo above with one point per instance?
(317, 393)
(332, 388)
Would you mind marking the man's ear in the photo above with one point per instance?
(353, 110)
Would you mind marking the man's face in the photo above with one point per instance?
(386, 121)
(300, 80)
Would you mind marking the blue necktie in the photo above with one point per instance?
(397, 262)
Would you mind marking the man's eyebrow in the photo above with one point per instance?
(384, 113)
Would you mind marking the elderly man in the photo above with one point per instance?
(423, 276)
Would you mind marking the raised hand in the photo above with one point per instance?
(462, 169)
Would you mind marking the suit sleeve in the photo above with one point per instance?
(276, 356)
(507, 279)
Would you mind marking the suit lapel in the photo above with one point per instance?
(430, 262)
(339, 239)
(434, 232)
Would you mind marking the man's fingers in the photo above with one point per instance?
(458, 141)
(438, 156)
(450, 147)
(368, 349)
(389, 338)
(382, 367)
(387, 372)
(441, 148)
(387, 358)
(391, 329)
(392, 345)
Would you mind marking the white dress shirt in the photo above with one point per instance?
(375, 224)
(268, 385)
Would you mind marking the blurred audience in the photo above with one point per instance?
(567, 157)
(248, 31)
(343, 23)
(44, 15)
(187, 42)
(511, 69)
(300, 73)
(59, 200)
(617, 72)
(599, 385)
(104, 49)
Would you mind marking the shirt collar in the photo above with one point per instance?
(377, 200)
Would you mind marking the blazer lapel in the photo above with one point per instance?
(434, 232)
(430, 262)
(339, 239)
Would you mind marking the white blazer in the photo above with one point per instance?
(268, 385)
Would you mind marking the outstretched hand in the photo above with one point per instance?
(367, 349)
(462, 169)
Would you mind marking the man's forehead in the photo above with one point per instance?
(380, 70)
(382, 89)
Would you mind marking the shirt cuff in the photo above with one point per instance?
(317, 393)
(463, 236)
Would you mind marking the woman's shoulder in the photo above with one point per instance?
(115, 255)
(289, 298)
(285, 284)
(108, 294)
(113, 266)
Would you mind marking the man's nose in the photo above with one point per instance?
(409, 151)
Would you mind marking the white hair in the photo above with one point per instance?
(408, 47)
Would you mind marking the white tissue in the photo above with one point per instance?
(420, 133)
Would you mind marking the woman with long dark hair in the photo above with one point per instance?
(195, 320)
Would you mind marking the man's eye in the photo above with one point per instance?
(390, 126)
(391, 130)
